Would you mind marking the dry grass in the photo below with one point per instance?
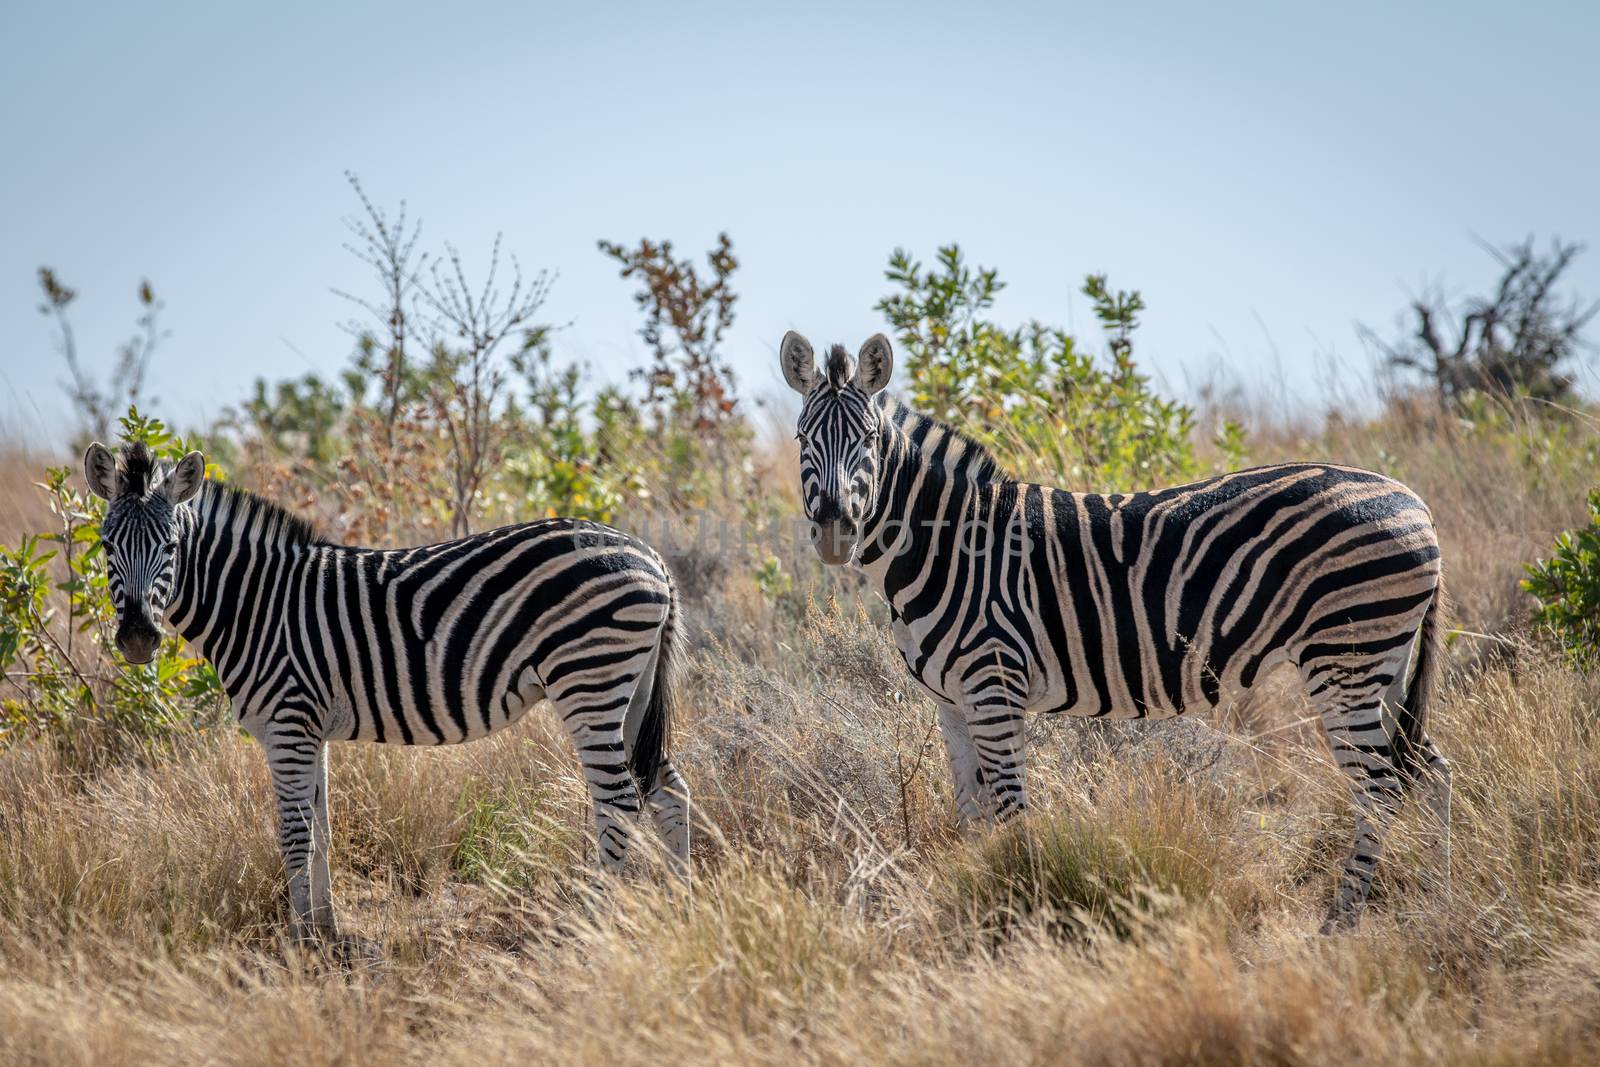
(23, 508)
(1149, 913)
(1160, 906)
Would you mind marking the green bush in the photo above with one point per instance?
(1566, 588)
(64, 675)
(1046, 406)
(555, 464)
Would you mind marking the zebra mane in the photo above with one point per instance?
(139, 468)
(840, 367)
(961, 452)
(275, 519)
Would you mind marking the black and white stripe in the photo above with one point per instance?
(316, 642)
(1009, 597)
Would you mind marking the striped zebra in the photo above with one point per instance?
(317, 642)
(1008, 597)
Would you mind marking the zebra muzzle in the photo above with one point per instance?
(138, 642)
(835, 541)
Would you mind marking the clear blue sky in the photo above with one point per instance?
(1267, 174)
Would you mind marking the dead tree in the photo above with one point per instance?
(1518, 341)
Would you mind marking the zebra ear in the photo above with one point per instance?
(184, 481)
(798, 361)
(100, 471)
(874, 365)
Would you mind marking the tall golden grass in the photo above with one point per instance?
(1160, 905)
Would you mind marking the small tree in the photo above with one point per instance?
(468, 328)
(1032, 393)
(1566, 590)
(436, 354)
(389, 247)
(688, 386)
(686, 318)
(98, 407)
(1517, 341)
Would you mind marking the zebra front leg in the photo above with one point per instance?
(971, 798)
(298, 763)
(322, 911)
(1000, 742)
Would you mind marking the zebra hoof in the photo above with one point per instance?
(327, 941)
(312, 936)
(1340, 920)
(353, 950)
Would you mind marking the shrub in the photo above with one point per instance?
(62, 667)
(1566, 588)
(557, 465)
(700, 437)
(1032, 393)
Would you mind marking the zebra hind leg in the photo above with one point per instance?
(667, 797)
(593, 718)
(1349, 699)
(668, 801)
(966, 775)
(999, 739)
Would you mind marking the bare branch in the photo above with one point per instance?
(466, 327)
(97, 408)
(1515, 341)
(389, 247)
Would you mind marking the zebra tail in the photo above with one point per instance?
(654, 739)
(1412, 717)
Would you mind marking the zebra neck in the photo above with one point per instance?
(927, 476)
(237, 556)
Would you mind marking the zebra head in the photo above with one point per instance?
(838, 434)
(141, 532)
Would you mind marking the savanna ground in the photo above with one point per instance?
(1161, 905)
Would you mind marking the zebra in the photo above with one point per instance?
(1007, 597)
(317, 642)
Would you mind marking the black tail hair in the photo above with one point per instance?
(654, 740)
(1412, 716)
